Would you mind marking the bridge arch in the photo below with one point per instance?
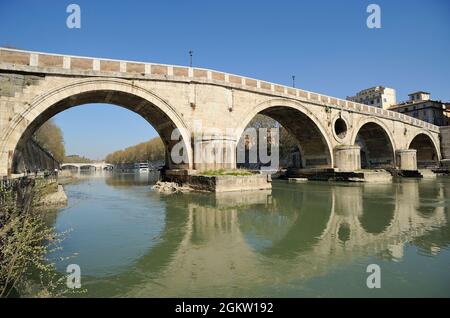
(376, 142)
(159, 113)
(87, 165)
(427, 150)
(312, 138)
(69, 166)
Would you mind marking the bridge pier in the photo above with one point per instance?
(406, 159)
(214, 152)
(347, 158)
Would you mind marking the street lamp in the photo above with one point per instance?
(190, 57)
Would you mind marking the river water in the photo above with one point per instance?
(312, 239)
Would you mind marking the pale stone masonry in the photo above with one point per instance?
(445, 142)
(35, 86)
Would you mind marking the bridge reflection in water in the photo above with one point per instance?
(258, 243)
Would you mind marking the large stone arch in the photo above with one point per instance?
(159, 113)
(427, 150)
(377, 143)
(313, 140)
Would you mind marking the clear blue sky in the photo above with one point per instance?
(326, 44)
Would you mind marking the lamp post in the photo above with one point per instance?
(293, 81)
(190, 57)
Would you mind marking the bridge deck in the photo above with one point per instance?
(37, 62)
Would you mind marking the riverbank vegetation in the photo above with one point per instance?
(49, 136)
(76, 159)
(25, 243)
(152, 150)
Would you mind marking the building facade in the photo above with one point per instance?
(422, 107)
(378, 96)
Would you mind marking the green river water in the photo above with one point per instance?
(312, 239)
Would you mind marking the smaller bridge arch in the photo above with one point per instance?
(377, 143)
(313, 140)
(427, 151)
(96, 165)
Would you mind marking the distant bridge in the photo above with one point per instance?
(96, 165)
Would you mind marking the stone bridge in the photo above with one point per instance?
(95, 165)
(183, 103)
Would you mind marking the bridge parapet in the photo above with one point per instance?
(37, 62)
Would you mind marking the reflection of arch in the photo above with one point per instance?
(376, 142)
(313, 139)
(344, 232)
(300, 229)
(427, 151)
(426, 188)
(377, 213)
(154, 109)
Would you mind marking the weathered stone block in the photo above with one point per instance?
(14, 57)
(50, 60)
(406, 159)
(347, 158)
(81, 63)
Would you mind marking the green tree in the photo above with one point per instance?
(77, 159)
(49, 136)
(151, 150)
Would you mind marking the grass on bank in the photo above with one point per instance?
(225, 172)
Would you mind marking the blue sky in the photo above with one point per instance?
(326, 44)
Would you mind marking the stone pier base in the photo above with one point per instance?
(406, 159)
(334, 175)
(347, 158)
(427, 173)
(220, 183)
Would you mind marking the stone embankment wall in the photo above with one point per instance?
(33, 158)
(31, 191)
(445, 142)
